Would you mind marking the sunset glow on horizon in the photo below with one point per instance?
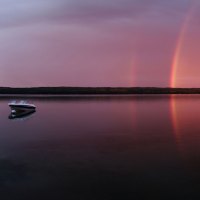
(109, 43)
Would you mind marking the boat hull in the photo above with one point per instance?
(21, 115)
(22, 108)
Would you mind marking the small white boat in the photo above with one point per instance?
(21, 106)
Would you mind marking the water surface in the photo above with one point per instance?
(102, 148)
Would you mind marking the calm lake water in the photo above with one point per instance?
(102, 148)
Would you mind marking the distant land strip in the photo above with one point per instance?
(96, 90)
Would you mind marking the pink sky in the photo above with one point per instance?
(98, 43)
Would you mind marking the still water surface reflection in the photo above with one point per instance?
(102, 148)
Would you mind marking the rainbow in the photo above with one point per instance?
(174, 69)
(179, 46)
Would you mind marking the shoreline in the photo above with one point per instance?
(81, 91)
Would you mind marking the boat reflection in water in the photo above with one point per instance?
(21, 110)
(21, 115)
